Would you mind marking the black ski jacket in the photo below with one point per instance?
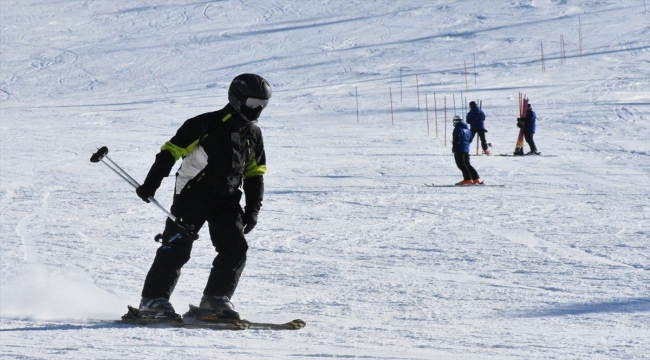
(220, 151)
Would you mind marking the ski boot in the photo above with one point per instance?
(159, 308)
(219, 306)
(478, 182)
(465, 182)
(533, 152)
(487, 152)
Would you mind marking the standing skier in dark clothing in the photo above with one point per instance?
(460, 147)
(221, 151)
(476, 120)
(529, 124)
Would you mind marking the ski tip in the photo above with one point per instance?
(298, 323)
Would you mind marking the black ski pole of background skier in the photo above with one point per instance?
(102, 153)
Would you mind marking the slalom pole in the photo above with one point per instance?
(519, 148)
(466, 87)
(477, 138)
(392, 120)
(417, 88)
(102, 153)
(474, 55)
(563, 53)
(542, 47)
(356, 89)
(426, 106)
(445, 120)
(480, 106)
(435, 111)
(462, 104)
(453, 97)
(580, 32)
(465, 102)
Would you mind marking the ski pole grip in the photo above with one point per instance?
(99, 155)
(186, 229)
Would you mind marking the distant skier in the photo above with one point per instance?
(476, 120)
(460, 147)
(529, 124)
(221, 151)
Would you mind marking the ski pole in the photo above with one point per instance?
(102, 153)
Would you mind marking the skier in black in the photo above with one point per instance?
(221, 151)
(460, 147)
(529, 124)
(476, 120)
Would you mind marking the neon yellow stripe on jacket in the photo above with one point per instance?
(178, 151)
(253, 169)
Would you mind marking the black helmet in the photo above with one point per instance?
(472, 104)
(249, 94)
(457, 119)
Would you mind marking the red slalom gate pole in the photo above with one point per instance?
(519, 148)
(480, 106)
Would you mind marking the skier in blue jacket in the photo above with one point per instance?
(460, 147)
(530, 126)
(476, 120)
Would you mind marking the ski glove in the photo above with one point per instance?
(159, 170)
(144, 192)
(249, 220)
(254, 190)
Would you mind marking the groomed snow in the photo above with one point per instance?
(555, 264)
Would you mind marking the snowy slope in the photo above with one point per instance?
(553, 265)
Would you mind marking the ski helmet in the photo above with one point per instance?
(457, 119)
(249, 94)
(472, 104)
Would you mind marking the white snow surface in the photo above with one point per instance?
(554, 265)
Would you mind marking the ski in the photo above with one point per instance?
(540, 154)
(194, 315)
(463, 186)
(183, 324)
(193, 320)
(135, 317)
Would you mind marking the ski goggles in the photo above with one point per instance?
(255, 102)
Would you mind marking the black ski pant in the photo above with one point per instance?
(462, 161)
(528, 135)
(481, 135)
(223, 215)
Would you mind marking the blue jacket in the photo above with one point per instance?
(460, 139)
(530, 121)
(476, 119)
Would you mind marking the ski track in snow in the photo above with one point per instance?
(553, 265)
